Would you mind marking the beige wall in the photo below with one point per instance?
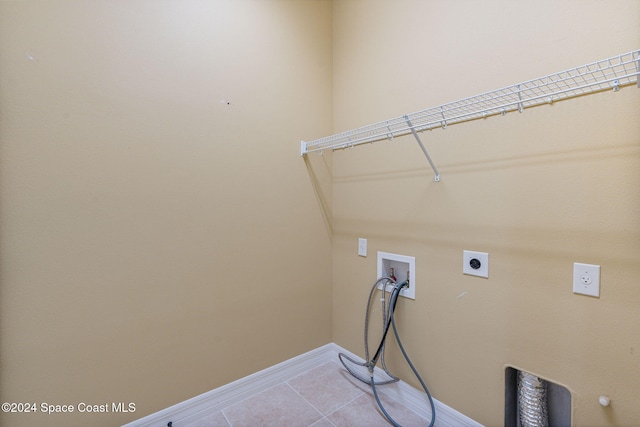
(156, 242)
(538, 191)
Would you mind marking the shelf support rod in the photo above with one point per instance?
(436, 177)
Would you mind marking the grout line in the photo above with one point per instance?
(323, 419)
(226, 418)
(324, 416)
(346, 404)
(308, 403)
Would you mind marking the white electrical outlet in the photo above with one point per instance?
(586, 279)
(475, 263)
(362, 247)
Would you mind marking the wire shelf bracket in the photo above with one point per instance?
(606, 74)
(436, 177)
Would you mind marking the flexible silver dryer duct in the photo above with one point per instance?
(532, 401)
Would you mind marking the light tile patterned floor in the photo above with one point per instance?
(326, 396)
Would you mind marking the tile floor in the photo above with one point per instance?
(327, 396)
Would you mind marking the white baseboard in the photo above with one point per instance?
(215, 400)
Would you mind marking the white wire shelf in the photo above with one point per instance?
(606, 74)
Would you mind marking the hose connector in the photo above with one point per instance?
(404, 284)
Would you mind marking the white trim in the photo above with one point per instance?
(217, 399)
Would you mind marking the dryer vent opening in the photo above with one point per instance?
(531, 401)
